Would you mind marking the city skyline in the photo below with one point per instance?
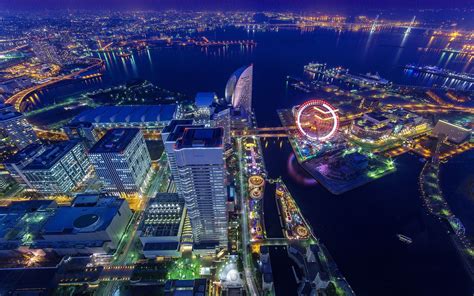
(236, 5)
(220, 152)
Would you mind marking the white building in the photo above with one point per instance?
(121, 161)
(58, 169)
(200, 164)
(238, 90)
(170, 134)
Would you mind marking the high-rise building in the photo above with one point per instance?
(170, 134)
(122, 161)
(15, 127)
(223, 119)
(238, 90)
(58, 169)
(200, 164)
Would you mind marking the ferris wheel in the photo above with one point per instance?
(317, 120)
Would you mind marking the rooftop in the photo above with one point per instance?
(175, 122)
(67, 220)
(179, 131)
(115, 140)
(25, 153)
(51, 155)
(128, 114)
(7, 115)
(200, 137)
(163, 216)
(204, 99)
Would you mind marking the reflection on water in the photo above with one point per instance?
(360, 229)
(276, 55)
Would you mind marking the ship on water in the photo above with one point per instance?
(405, 239)
(315, 67)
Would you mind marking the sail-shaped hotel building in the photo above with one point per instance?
(238, 90)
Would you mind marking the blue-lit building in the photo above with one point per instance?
(53, 169)
(15, 164)
(82, 131)
(92, 224)
(121, 161)
(144, 117)
(170, 134)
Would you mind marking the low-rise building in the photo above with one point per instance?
(145, 117)
(454, 133)
(92, 224)
(162, 225)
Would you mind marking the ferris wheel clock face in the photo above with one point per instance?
(317, 120)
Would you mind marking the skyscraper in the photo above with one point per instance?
(169, 135)
(122, 161)
(238, 90)
(200, 164)
(15, 127)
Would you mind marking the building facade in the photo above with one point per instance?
(200, 164)
(58, 169)
(121, 161)
(238, 90)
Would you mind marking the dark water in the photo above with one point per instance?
(359, 227)
(457, 183)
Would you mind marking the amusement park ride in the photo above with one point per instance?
(317, 120)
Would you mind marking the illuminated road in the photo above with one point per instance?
(18, 98)
(127, 252)
(247, 259)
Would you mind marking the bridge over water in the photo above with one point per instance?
(264, 132)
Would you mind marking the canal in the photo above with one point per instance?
(360, 230)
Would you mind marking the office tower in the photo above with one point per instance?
(223, 120)
(14, 126)
(200, 164)
(238, 90)
(122, 161)
(58, 169)
(169, 135)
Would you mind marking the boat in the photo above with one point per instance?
(404, 238)
(315, 67)
(124, 54)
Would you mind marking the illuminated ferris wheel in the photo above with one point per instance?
(317, 120)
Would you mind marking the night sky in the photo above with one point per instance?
(235, 4)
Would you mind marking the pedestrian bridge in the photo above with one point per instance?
(264, 132)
